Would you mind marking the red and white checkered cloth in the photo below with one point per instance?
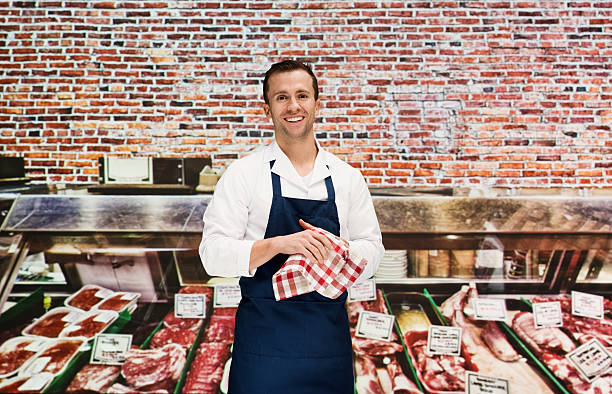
(299, 275)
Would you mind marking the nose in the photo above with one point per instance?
(292, 104)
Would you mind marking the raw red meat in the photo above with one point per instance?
(117, 302)
(207, 368)
(87, 297)
(94, 378)
(542, 339)
(13, 353)
(437, 372)
(180, 336)
(179, 322)
(366, 379)
(220, 329)
(146, 368)
(55, 356)
(373, 347)
(53, 322)
(498, 343)
(91, 325)
(400, 383)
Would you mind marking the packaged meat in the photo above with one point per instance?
(118, 302)
(94, 378)
(90, 324)
(154, 369)
(437, 373)
(26, 384)
(53, 322)
(88, 296)
(15, 352)
(53, 357)
(180, 336)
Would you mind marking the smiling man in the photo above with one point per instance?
(260, 213)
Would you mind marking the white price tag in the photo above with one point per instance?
(104, 317)
(591, 359)
(481, 384)
(587, 305)
(36, 382)
(547, 314)
(73, 316)
(375, 325)
(38, 365)
(104, 293)
(129, 296)
(35, 346)
(110, 348)
(364, 291)
(227, 296)
(190, 305)
(444, 340)
(489, 309)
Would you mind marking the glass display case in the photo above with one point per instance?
(506, 247)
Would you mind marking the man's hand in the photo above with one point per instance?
(310, 244)
(308, 226)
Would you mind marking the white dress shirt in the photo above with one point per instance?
(238, 213)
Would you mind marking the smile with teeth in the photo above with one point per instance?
(294, 119)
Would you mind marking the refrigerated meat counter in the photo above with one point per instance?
(513, 248)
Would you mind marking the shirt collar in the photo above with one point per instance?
(283, 167)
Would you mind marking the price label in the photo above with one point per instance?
(190, 305)
(591, 359)
(38, 365)
(375, 325)
(587, 305)
(489, 309)
(547, 314)
(481, 384)
(36, 382)
(444, 340)
(227, 296)
(110, 349)
(364, 291)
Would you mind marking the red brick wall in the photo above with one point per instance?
(453, 93)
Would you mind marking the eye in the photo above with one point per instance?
(281, 97)
(303, 96)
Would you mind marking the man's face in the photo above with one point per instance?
(292, 105)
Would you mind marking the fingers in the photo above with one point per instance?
(305, 225)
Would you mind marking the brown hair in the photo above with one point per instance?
(286, 66)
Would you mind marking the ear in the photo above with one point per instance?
(266, 109)
(317, 107)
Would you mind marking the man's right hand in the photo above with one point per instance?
(310, 244)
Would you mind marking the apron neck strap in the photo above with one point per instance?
(276, 186)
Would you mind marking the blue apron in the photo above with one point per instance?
(297, 345)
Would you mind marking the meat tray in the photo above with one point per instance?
(118, 302)
(553, 362)
(411, 338)
(54, 357)
(52, 323)
(89, 324)
(87, 297)
(16, 352)
(26, 384)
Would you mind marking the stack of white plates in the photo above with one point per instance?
(394, 265)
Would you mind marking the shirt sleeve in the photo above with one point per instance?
(223, 249)
(364, 238)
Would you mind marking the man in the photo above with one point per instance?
(260, 213)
